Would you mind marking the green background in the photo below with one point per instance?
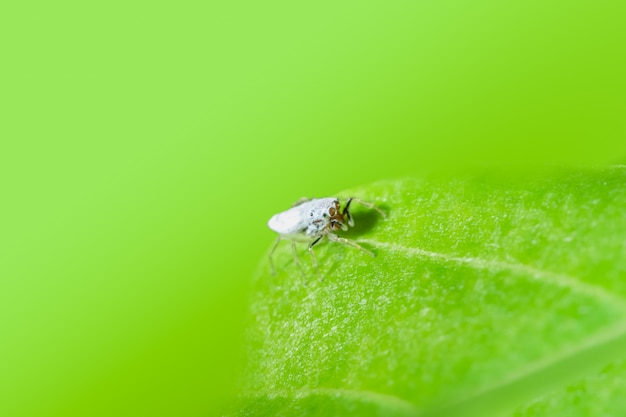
(144, 145)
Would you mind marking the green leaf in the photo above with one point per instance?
(486, 297)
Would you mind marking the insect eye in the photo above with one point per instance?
(311, 214)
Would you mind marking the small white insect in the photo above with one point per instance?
(310, 220)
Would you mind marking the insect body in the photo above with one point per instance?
(311, 220)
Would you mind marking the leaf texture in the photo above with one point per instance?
(487, 296)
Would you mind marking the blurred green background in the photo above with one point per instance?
(144, 145)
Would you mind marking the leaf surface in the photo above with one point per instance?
(486, 297)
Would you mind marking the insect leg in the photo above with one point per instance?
(296, 259)
(272, 269)
(366, 204)
(314, 260)
(345, 241)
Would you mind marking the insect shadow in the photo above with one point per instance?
(364, 221)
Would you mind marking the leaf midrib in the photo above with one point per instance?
(562, 280)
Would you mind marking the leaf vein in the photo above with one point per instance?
(561, 280)
(538, 378)
(391, 402)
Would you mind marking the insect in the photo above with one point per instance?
(311, 220)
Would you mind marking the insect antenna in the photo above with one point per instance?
(346, 212)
